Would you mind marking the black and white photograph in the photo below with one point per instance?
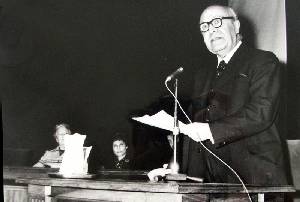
(150, 100)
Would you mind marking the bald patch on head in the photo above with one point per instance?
(219, 10)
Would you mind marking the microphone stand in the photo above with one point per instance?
(175, 166)
(175, 176)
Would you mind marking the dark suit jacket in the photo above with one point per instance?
(241, 107)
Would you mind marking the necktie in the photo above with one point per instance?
(60, 151)
(221, 67)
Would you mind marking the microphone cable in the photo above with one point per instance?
(228, 166)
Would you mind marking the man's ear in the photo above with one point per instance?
(237, 26)
(56, 138)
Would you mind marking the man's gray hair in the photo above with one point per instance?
(233, 13)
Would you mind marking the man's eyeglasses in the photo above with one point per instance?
(216, 23)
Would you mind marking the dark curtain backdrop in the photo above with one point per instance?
(91, 64)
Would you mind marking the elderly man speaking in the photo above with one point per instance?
(234, 108)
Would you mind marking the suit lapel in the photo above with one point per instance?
(210, 78)
(205, 80)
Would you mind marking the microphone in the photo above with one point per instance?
(171, 76)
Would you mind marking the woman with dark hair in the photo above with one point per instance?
(121, 158)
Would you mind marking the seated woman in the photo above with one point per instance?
(120, 160)
(118, 157)
(53, 158)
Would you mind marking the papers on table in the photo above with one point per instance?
(74, 161)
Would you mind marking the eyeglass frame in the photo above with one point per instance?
(211, 22)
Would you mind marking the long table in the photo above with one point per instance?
(127, 188)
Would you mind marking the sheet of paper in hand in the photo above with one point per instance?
(160, 120)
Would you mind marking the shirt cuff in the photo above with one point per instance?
(208, 133)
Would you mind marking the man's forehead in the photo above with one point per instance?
(213, 12)
(116, 142)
